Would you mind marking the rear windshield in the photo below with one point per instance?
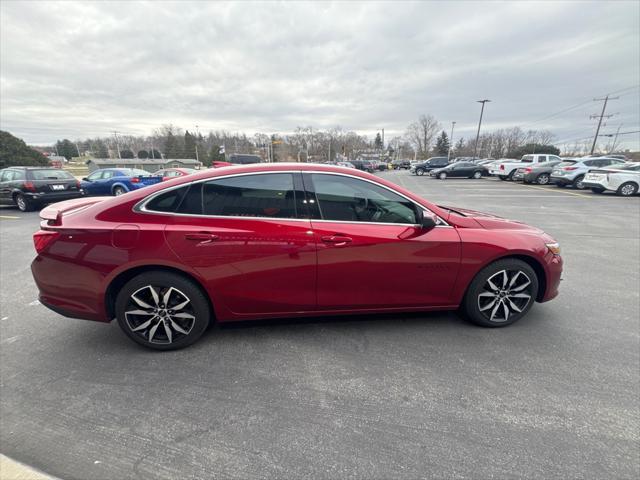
(566, 163)
(135, 172)
(50, 174)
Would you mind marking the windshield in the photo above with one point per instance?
(50, 174)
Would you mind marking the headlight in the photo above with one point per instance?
(554, 248)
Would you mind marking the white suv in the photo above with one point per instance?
(572, 172)
(624, 180)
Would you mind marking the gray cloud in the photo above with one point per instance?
(84, 69)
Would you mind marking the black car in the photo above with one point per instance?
(32, 187)
(401, 164)
(460, 169)
(428, 165)
(539, 173)
(364, 165)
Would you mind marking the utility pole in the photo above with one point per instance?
(115, 135)
(383, 139)
(600, 117)
(475, 150)
(197, 137)
(453, 124)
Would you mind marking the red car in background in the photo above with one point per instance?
(169, 173)
(282, 240)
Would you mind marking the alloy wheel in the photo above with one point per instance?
(22, 204)
(443, 176)
(118, 191)
(477, 175)
(505, 293)
(159, 315)
(627, 189)
(543, 179)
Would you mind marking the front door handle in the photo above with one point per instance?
(337, 240)
(202, 237)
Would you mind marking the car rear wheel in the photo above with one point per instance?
(23, 203)
(477, 175)
(117, 191)
(543, 179)
(442, 176)
(597, 190)
(501, 293)
(419, 171)
(627, 189)
(162, 310)
(577, 183)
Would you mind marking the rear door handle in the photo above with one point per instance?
(337, 240)
(201, 237)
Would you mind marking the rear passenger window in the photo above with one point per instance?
(168, 201)
(268, 195)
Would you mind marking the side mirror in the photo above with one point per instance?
(426, 219)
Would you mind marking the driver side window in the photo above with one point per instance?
(95, 176)
(349, 199)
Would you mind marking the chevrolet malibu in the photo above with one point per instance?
(282, 240)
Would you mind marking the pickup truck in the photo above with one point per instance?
(505, 170)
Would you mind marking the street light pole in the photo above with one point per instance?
(475, 150)
(453, 124)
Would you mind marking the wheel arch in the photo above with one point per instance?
(122, 278)
(534, 263)
(119, 184)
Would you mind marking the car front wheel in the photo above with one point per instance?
(577, 183)
(419, 171)
(162, 310)
(501, 293)
(477, 175)
(442, 176)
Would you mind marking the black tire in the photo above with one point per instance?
(627, 189)
(442, 176)
(543, 179)
(478, 295)
(503, 177)
(23, 203)
(577, 183)
(477, 175)
(118, 190)
(188, 330)
(419, 171)
(597, 190)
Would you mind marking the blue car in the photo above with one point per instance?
(116, 181)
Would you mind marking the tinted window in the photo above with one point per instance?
(592, 163)
(50, 174)
(353, 200)
(527, 159)
(271, 195)
(168, 201)
(542, 158)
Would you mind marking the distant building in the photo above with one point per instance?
(150, 164)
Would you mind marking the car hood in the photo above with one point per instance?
(493, 222)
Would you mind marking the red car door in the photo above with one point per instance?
(245, 236)
(371, 253)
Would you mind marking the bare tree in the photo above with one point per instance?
(422, 133)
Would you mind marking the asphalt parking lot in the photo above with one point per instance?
(396, 396)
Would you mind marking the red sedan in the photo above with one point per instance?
(282, 240)
(169, 173)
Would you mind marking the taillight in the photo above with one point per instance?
(501, 167)
(135, 180)
(528, 169)
(42, 239)
(78, 184)
(29, 186)
(568, 169)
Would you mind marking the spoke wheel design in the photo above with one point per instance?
(543, 179)
(628, 189)
(159, 314)
(22, 204)
(504, 294)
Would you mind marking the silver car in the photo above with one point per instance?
(572, 171)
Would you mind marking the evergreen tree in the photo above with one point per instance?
(66, 148)
(378, 142)
(189, 145)
(126, 153)
(171, 146)
(214, 156)
(442, 143)
(143, 154)
(13, 151)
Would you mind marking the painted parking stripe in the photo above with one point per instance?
(9, 217)
(559, 191)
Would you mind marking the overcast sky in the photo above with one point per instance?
(84, 69)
